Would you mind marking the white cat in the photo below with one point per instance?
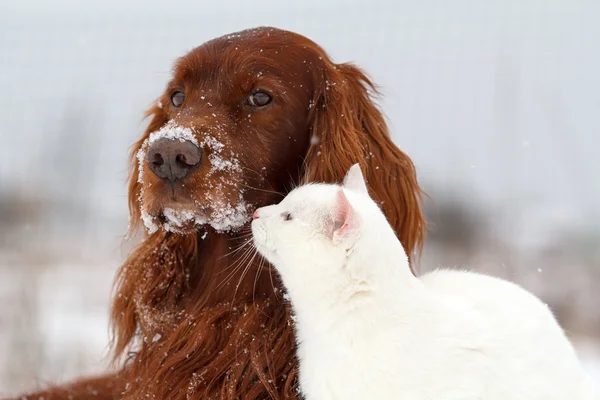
(368, 329)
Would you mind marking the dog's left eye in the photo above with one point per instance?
(259, 99)
(177, 98)
(286, 216)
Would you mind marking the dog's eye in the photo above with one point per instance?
(259, 99)
(286, 216)
(177, 98)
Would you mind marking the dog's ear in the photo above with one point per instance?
(348, 128)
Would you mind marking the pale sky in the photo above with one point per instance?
(497, 99)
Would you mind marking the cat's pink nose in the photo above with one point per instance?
(255, 215)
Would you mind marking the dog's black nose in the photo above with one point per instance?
(173, 159)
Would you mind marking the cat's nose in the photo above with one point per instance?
(255, 215)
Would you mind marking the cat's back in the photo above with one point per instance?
(515, 331)
(496, 301)
(483, 291)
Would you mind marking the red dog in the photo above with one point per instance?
(246, 117)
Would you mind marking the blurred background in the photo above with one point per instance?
(497, 103)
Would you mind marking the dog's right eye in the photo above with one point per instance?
(177, 98)
(286, 216)
(259, 99)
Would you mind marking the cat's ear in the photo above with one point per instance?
(345, 219)
(355, 180)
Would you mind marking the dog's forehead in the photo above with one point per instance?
(223, 67)
(258, 42)
(250, 52)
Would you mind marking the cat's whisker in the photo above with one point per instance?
(261, 175)
(306, 168)
(257, 275)
(271, 278)
(245, 235)
(293, 183)
(242, 243)
(236, 265)
(241, 251)
(246, 269)
(237, 249)
(243, 231)
(243, 257)
(265, 190)
(226, 280)
(238, 237)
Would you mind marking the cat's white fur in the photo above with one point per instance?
(368, 329)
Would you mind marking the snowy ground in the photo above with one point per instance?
(54, 324)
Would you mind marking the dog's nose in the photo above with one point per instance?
(173, 159)
(255, 215)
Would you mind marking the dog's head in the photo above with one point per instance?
(249, 115)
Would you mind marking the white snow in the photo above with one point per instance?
(220, 164)
(141, 155)
(173, 131)
(212, 143)
(156, 338)
(217, 160)
(148, 221)
(176, 220)
(230, 217)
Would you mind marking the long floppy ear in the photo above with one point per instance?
(158, 119)
(348, 128)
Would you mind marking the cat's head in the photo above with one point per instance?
(316, 222)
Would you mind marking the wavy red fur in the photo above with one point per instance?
(196, 318)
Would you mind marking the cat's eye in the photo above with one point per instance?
(177, 98)
(286, 216)
(259, 99)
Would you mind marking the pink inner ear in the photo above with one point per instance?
(345, 220)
